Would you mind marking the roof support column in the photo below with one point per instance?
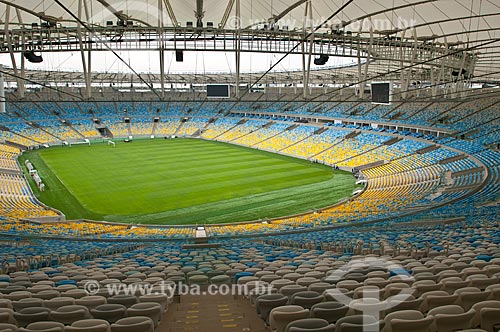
(459, 84)
(433, 83)
(364, 77)
(85, 57)
(360, 73)
(441, 70)
(2, 92)
(19, 78)
(307, 66)
(162, 49)
(414, 59)
(23, 60)
(238, 47)
(468, 84)
(403, 79)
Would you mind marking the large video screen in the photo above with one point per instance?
(381, 93)
(217, 90)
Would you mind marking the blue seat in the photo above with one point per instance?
(65, 282)
(486, 258)
(242, 274)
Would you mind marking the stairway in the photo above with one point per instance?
(211, 313)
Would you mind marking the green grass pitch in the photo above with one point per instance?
(182, 181)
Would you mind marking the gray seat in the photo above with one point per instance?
(402, 325)
(91, 301)
(357, 323)
(490, 319)
(133, 324)
(58, 302)
(146, 309)
(289, 290)
(310, 325)
(44, 327)
(26, 316)
(329, 311)
(126, 300)
(266, 303)
(89, 325)
(7, 316)
(306, 299)
(109, 312)
(161, 299)
(281, 316)
(450, 318)
(4, 327)
(27, 303)
(70, 314)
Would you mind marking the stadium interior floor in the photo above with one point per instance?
(211, 313)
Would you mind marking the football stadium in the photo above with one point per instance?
(250, 165)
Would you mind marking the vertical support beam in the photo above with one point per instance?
(162, 49)
(238, 47)
(449, 89)
(89, 70)
(20, 81)
(89, 52)
(2, 92)
(414, 55)
(404, 82)
(441, 70)
(23, 62)
(86, 69)
(306, 65)
(360, 74)
(471, 67)
(199, 13)
(433, 83)
(311, 45)
(459, 85)
(367, 64)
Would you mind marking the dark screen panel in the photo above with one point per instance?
(381, 93)
(218, 90)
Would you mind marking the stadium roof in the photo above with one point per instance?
(471, 26)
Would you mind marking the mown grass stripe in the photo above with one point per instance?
(183, 182)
